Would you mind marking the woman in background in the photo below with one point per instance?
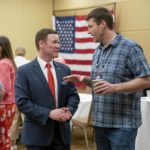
(7, 104)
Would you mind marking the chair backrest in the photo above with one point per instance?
(84, 112)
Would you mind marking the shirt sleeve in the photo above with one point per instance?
(137, 62)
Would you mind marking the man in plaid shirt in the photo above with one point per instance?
(124, 71)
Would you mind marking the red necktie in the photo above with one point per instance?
(51, 80)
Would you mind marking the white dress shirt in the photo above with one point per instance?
(42, 64)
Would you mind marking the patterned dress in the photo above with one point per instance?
(7, 105)
(7, 113)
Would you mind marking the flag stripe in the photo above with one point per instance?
(86, 51)
(76, 56)
(87, 45)
(82, 62)
(81, 73)
(81, 24)
(83, 34)
(76, 67)
(84, 40)
(78, 29)
(80, 18)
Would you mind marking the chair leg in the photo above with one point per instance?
(86, 139)
(72, 132)
(93, 134)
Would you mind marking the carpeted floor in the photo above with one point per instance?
(78, 141)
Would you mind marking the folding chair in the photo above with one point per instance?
(84, 123)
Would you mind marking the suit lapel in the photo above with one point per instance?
(39, 73)
(58, 75)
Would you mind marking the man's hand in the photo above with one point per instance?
(60, 114)
(78, 78)
(103, 87)
(73, 78)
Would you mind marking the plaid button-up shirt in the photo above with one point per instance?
(121, 61)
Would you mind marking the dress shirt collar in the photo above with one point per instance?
(113, 43)
(43, 62)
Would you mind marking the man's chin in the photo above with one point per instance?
(56, 55)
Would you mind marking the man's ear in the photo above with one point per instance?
(103, 23)
(41, 43)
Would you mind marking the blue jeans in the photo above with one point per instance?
(115, 138)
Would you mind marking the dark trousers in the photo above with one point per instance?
(115, 138)
(55, 145)
(51, 147)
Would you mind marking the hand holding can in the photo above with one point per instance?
(94, 83)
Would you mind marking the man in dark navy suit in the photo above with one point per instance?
(47, 111)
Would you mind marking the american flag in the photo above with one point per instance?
(77, 46)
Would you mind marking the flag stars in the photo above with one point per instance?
(65, 27)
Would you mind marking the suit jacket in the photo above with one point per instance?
(35, 100)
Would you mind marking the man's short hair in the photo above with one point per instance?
(99, 14)
(42, 35)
